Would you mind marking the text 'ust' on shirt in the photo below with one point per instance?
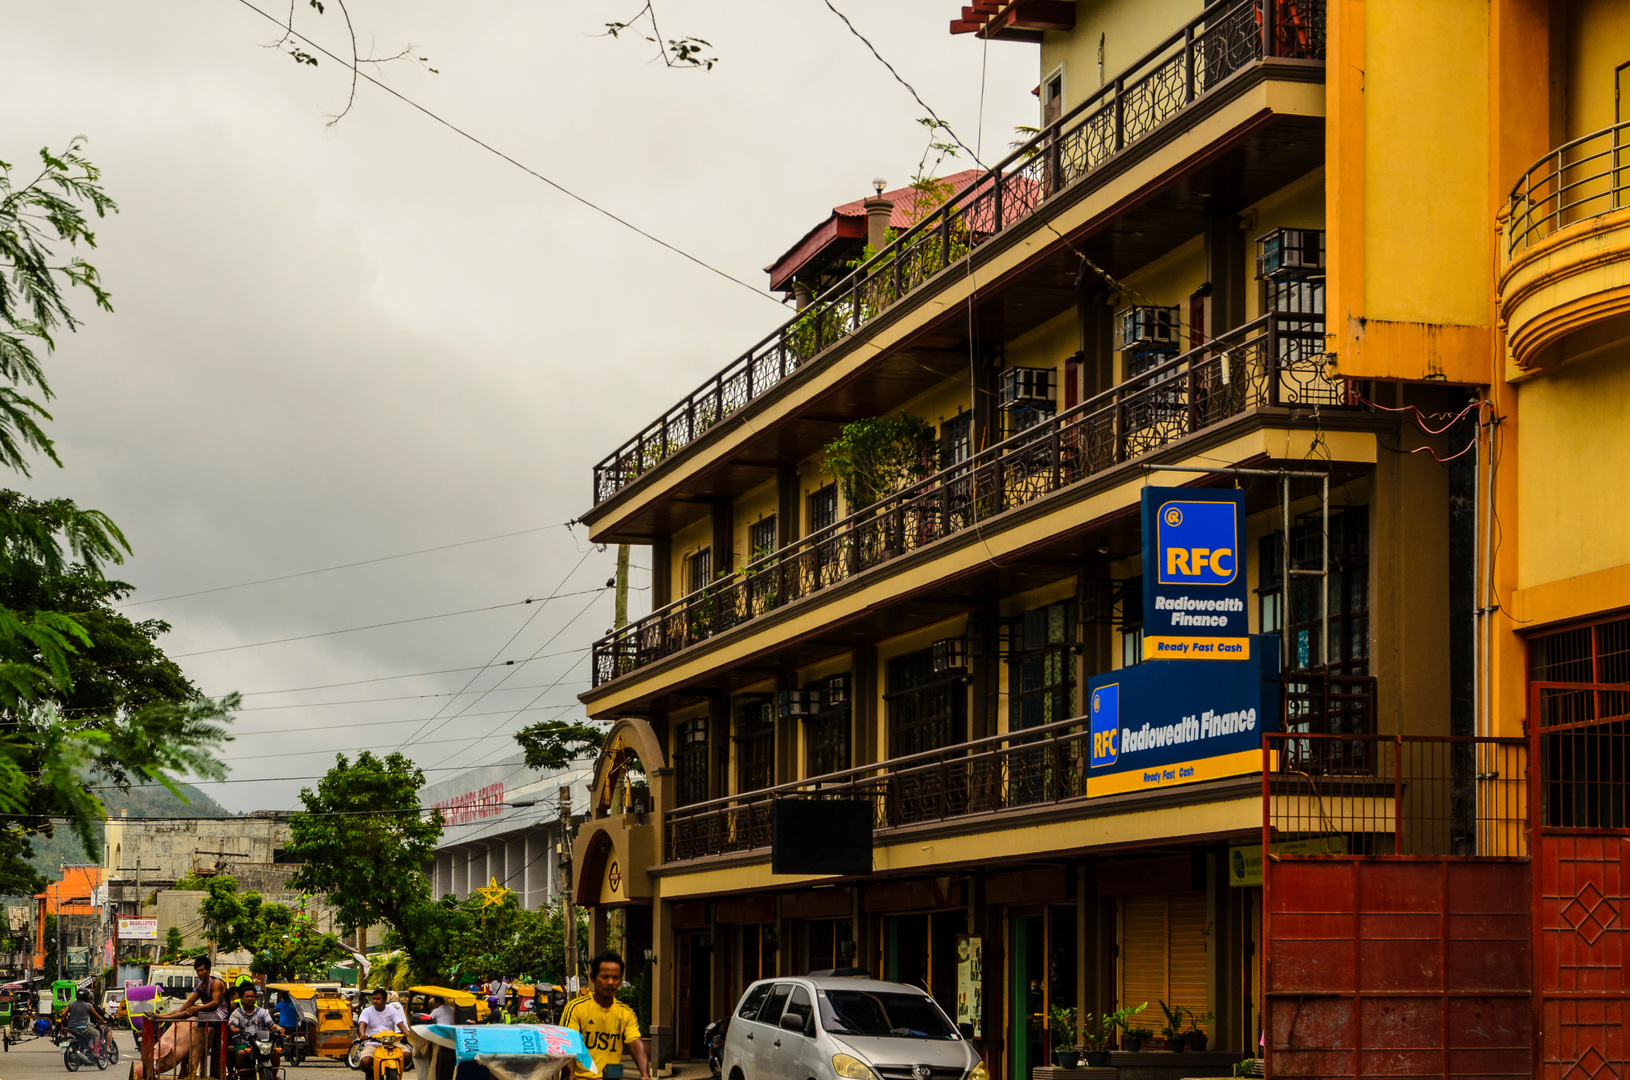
(605, 1031)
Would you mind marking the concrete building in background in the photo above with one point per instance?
(503, 824)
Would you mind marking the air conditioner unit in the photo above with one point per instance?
(949, 655)
(1289, 254)
(837, 691)
(799, 703)
(1028, 388)
(1147, 329)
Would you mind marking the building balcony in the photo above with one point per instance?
(1329, 784)
(1565, 279)
(1192, 116)
(1273, 363)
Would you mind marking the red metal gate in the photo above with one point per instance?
(1405, 949)
(1581, 889)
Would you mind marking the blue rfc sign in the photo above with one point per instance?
(1162, 723)
(1194, 588)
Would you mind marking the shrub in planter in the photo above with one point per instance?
(1135, 1038)
(1195, 1035)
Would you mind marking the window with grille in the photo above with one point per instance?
(956, 440)
(690, 762)
(1163, 953)
(761, 538)
(700, 568)
(826, 735)
(1584, 733)
(1041, 671)
(1130, 594)
(1349, 596)
(927, 709)
(823, 507)
(755, 744)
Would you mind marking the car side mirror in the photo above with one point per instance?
(794, 1022)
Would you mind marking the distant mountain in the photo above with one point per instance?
(51, 853)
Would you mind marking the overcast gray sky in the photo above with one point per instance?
(335, 343)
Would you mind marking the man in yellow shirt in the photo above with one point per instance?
(606, 1024)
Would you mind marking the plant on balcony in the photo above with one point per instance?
(1173, 1031)
(1062, 1023)
(875, 458)
(764, 584)
(1136, 1037)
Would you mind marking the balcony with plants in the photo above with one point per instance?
(1565, 261)
(1199, 64)
(1268, 366)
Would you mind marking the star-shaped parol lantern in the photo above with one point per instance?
(493, 894)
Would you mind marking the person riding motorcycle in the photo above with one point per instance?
(77, 1019)
(378, 1017)
(246, 1022)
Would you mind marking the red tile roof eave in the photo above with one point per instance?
(783, 269)
(848, 220)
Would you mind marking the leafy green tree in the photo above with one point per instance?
(284, 944)
(173, 943)
(364, 844)
(67, 710)
(552, 745)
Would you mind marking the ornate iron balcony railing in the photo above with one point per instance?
(981, 778)
(1275, 361)
(1227, 37)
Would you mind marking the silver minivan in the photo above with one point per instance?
(844, 1029)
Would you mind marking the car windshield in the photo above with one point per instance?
(884, 1013)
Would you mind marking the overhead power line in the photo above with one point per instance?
(375, 626)
(395, 697)
(499, 652)
(449, 125)
(409, 675)
(376, 723)
(347, 566)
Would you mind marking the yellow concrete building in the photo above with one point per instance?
(1366, 264)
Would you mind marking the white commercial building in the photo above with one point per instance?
(502, 822)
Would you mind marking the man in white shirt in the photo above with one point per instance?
(378, 1017)
(442, 1012)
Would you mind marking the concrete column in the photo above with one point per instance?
(665, 989)
(878, 211)
(801, 296)
(526, 871)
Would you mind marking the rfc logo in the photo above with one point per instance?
(1195, 543)
(1106, 725)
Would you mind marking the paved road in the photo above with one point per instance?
(37, 1059)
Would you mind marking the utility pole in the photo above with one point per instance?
(568, 908)
(64, 870)
(620, 617)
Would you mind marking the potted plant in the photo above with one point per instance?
(1098, 1033)
(1246, 1067)
(1173, 1031)
(1196, 1035)
(1135, 1038)
(1062, 1021)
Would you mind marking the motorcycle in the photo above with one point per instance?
(713, 1039)
(264, 1048)
(92, 1049)
(388, 1056)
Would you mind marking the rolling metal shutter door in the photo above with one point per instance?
(1187, 952)
(1163, 954)
(1143, 952)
